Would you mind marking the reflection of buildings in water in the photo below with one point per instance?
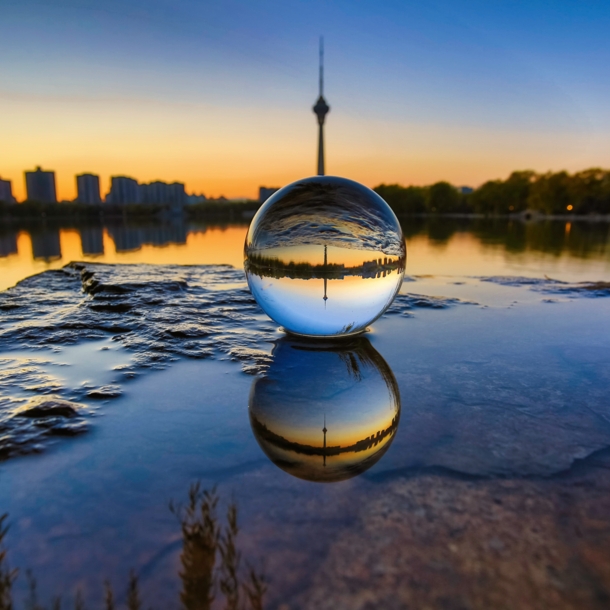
(165, 235)
(8, 244)
(347, 386)
(46, 245)
(92, 241)
(128, 239)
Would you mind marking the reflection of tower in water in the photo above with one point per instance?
(325, 278)
(325, 431)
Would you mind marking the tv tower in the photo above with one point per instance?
(321, 109)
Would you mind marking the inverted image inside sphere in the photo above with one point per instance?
(324, 256)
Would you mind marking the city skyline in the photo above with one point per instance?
(217, 97)
(40, 187)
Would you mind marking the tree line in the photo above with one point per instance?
(585, 192)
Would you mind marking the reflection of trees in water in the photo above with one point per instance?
(210, 559)
(264, 266)
(579, 238)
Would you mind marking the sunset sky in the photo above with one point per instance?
(218, 94)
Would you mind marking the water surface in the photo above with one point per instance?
(467, 434)
(436, 246)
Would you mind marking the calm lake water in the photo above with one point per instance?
(569, 251)
(459, 451)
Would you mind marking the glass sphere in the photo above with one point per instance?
(324, 256)
(326, 410)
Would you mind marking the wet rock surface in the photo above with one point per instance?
(158, 313)
(446, 542)
(549, 285)
(405, 302)
(26, 428)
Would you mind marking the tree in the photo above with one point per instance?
(444, 198)
(552, 193)
(403, 200)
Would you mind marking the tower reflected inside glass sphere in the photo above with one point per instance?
(326, 410)
(324, 256)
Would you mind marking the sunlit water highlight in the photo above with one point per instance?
(569, 251)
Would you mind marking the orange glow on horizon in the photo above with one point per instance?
(232, 151)
(340, 437)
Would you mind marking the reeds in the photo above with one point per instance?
(211, 564)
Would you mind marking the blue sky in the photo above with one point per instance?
(219, 94)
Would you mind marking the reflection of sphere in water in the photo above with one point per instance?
(324, 256)
(325, 411)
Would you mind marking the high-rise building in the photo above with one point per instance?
(123, 190)
(6, 191)
(321, 109)
(88, 188)
(162, 193)
(264, 192)
(40, 186)
(195, 199)
(177, 193)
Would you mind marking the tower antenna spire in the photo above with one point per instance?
(321, 66)
(321, 109)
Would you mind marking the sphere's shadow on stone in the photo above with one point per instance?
(325, 411)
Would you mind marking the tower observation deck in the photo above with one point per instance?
(321, 109)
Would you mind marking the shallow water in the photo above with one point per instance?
(500, 381)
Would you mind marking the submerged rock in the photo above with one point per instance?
(25, 428)
(549, 285)
(48, 406)
(404, 302)
(105, 392)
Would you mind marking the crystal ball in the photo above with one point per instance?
(324, 256)
(326, 410)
